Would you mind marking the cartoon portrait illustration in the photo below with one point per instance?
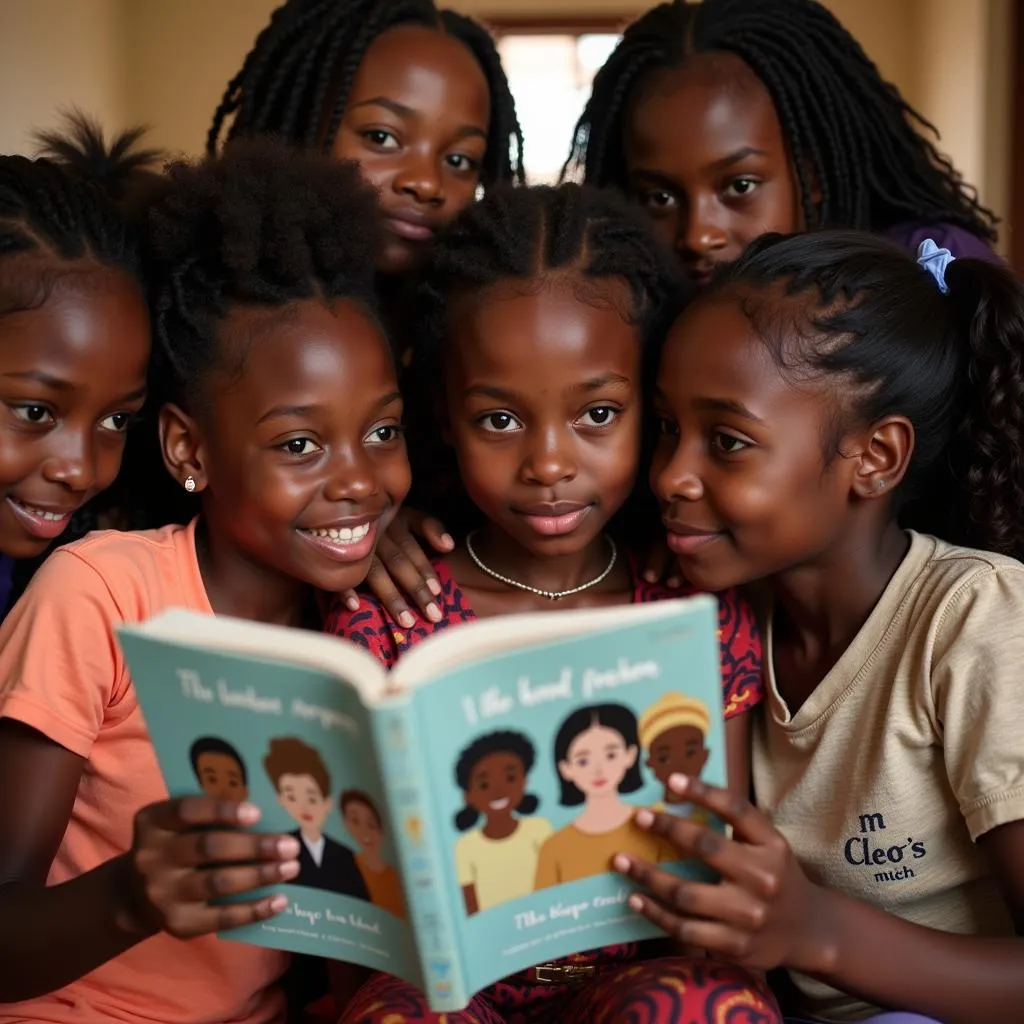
(497, 861)
(303, 785)
(596, 756)
(363, 821)
(219, 769)
(673, 731)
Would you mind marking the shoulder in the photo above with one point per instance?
(959, 241)
(535, 828)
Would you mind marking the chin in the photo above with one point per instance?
(397, 259)
(22, 546)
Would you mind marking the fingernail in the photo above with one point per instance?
(433, 613)
(248, 814)
(674, 582)
(407, 620)
(678, 783)
(447, 540)
(434, 587)
(352, 603)
(287, 847)
(635, 902)
(278, 903)
(644, 818)
(620, 862)
(289, 869)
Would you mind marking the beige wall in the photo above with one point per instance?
(166, 62)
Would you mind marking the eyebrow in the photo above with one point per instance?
(727, 405)
(594, 384)
(59, 384)
(719, 165)
(401, 110)
(280, 411)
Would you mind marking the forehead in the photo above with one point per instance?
(569, 327)
(426, 70)
(497, 759)
(713, 107)
(306, 348)
(220, 761)
(93, 321)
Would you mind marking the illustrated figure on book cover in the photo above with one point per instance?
(673, 731)
(363, 821)
(219, 769)
(303, 785)
(497, 861)
(597, 758)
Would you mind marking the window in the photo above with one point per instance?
(550, 72)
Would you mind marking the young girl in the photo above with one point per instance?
(283, 423)
(883, 864)
(542, 301)
(416, 96)
(74, 346)
(728, 119)
(498, 861)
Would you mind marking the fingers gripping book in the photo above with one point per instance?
(457, 817)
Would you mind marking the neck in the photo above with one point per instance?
(311, 833)
(826, 602)
(553, 573)
(244, 589)
(373, 860)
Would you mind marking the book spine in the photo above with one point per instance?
(417, 844)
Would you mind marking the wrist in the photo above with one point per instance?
(819, 951)
(130, 917)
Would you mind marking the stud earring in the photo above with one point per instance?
(881, 485)
(190, 483)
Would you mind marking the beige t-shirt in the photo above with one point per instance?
(501, 869)
(910, 749)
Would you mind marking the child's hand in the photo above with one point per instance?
(660, 564)
(188, 852)
(401, 563)
(763, 913)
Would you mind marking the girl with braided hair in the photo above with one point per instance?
(415, 95)
(731, 118)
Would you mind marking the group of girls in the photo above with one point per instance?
(836, 427)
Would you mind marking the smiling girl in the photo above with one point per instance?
(281, 420)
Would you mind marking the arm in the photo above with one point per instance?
(469, 895)
(737, 754)
(51, 936)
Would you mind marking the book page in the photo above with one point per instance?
(539, 760)
(294, 742)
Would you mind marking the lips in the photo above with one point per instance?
(411, 225)
(554, 518)
(45, 522)
(344, 540)
(685, 540)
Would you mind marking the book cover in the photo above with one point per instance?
(459, 827)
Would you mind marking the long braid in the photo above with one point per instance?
(851, 133)
(295, 81)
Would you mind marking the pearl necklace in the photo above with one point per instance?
(551, 595)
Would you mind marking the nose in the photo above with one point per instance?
(549, 460)
(678, 477)
(352, 477)
(703, 230)
(419, 176)
(73, 465)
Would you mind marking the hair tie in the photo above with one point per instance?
(935, 261)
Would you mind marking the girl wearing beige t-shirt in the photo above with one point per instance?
(848, 384)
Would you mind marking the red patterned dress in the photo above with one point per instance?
(629, 982)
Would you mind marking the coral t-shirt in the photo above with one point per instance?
(62, 673)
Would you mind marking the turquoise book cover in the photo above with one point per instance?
(456, 819)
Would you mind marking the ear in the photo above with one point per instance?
(886, 448)
(813, 178)
(565, 770)
(631, 756)
(182, 446)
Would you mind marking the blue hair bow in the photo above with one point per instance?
(935, 261)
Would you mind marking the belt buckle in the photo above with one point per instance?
(562, 974)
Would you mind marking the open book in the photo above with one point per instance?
(456, 818)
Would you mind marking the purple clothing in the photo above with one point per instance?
(6, 583)
(959, 241)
